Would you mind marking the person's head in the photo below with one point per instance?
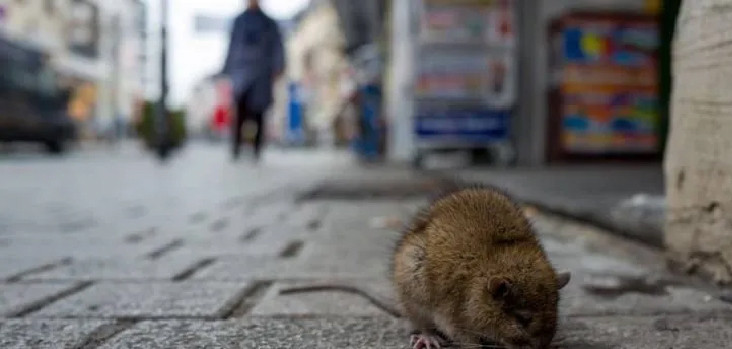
(252, 3)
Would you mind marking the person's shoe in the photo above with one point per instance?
(257, 154)
(235, 154)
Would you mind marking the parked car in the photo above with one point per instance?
(33, 107)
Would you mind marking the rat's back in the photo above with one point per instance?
(458, 233)
(476, 218)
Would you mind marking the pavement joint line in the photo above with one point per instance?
(233, 202)
(77, 225)
(219, 224)
(248, 212)
(184, 275)
(250, 234)
(36, 306)
(292, 249)
(139, 236)
(165, 249)
(197, 217)
(104, 333)
(136, 212)
(46, 267)
(315, 224)
(247, 299)
(272, 196)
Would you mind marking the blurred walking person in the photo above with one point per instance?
(254, 61)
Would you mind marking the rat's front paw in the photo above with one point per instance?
(425, 341)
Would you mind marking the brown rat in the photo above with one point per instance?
(470, 269)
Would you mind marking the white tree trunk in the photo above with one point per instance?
(698, 163)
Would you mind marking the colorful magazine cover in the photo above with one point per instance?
(609, 86)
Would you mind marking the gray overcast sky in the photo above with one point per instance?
(280, 9)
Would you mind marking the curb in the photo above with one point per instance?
(640, 217)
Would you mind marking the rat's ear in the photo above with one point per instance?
(563, 279)
(499, 287)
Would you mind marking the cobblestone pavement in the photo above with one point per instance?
(100, 252)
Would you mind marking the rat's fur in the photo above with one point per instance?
(470, 266)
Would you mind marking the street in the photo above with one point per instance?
(107, 248)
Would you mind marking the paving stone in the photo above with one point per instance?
(232, 246)
(71, 239)
(45, 333)
(342, 257)
(16, 297)
(662, 332)
(314, 262)
(244, 268)
(281, 232)
(11, 266)
(267, 332)
(120, 269)
(74, 249)
(360, 254)
(266, 214)
(153, 299)
(306, 214)
(323, 303)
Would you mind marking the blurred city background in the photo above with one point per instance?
(512, 82)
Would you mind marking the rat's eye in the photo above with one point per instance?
(523, 318)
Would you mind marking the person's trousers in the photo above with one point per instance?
(243, 113)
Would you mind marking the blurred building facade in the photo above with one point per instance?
(316, 67)
(96, 47)
(316, 61)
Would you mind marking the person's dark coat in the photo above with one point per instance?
(255, 56)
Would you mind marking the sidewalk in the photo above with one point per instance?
(203, 270)
(626, 199)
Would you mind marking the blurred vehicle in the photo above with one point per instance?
(33, 107)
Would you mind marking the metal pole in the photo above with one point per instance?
(163, 139)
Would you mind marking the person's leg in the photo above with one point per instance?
(237, 123)
(259, 137)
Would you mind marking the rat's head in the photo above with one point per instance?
(517, 312)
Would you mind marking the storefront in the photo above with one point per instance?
(576, 83)
(605, 102)
(461, 65)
